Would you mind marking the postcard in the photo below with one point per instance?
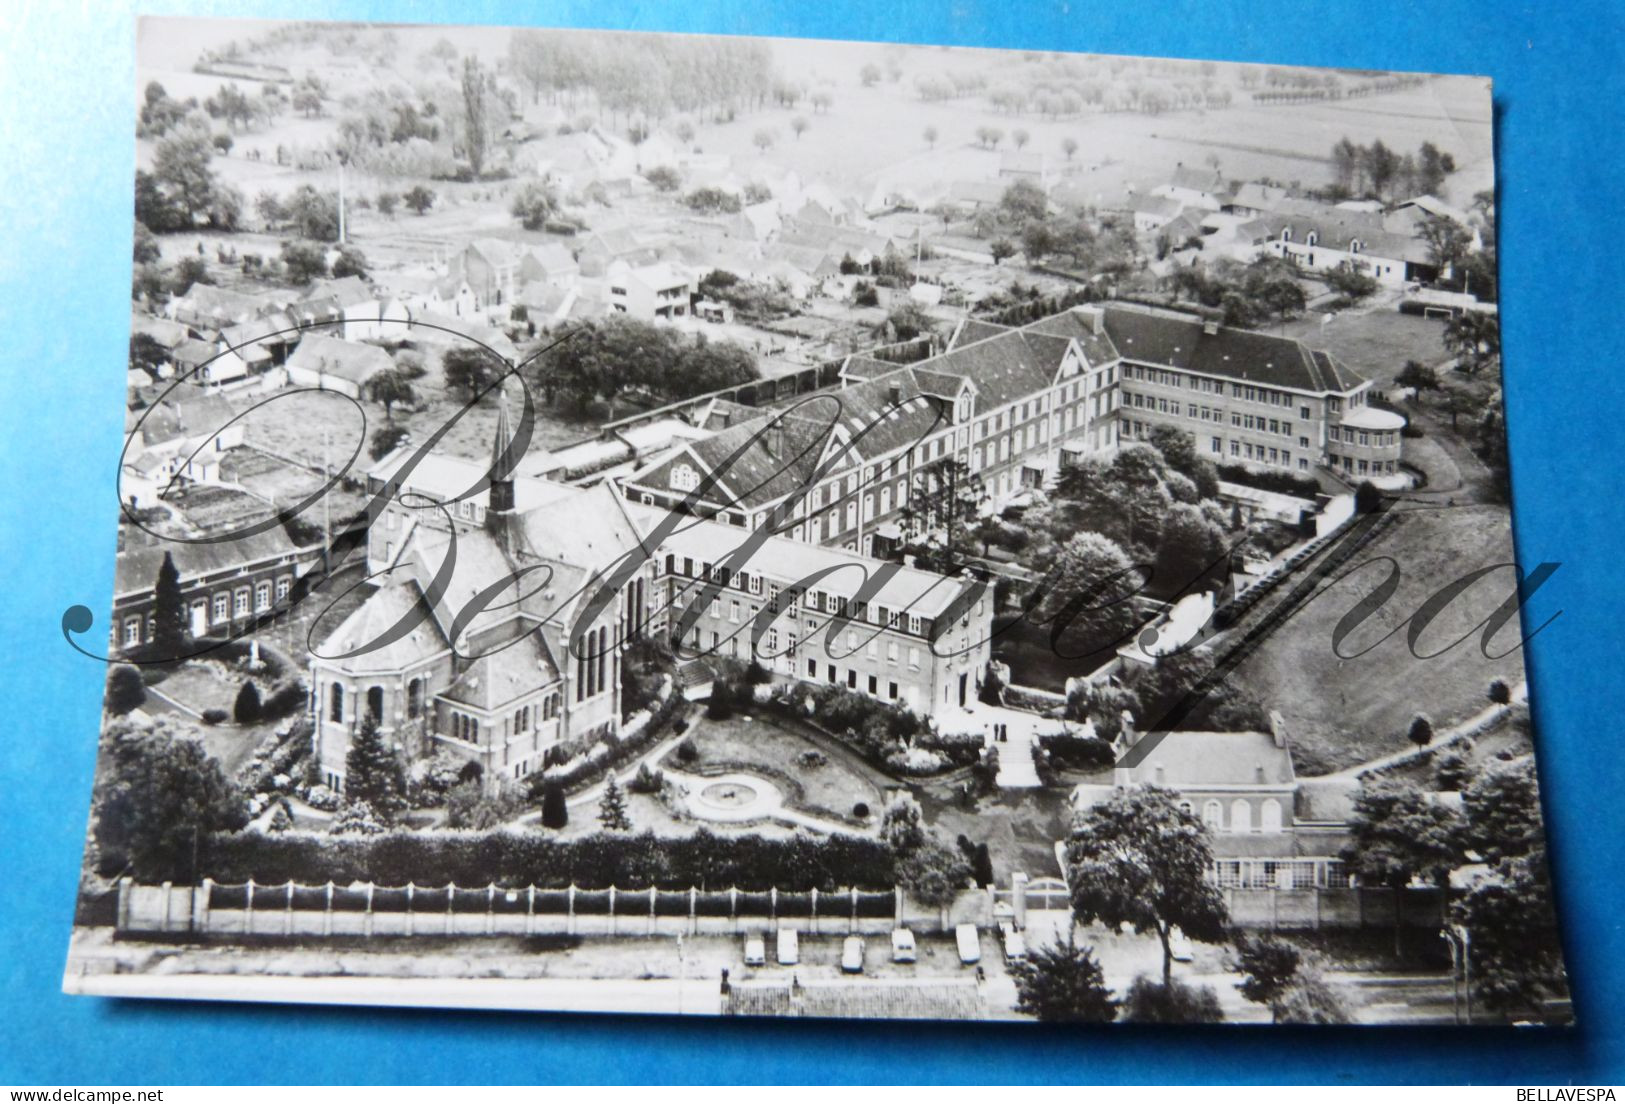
(729, 526)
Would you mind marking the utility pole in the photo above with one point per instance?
(341, 199)
(327, 499)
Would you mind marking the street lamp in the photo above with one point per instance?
(1461, 967)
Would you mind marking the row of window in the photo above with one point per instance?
(1361, 466)
(1348, 435)
(1244, 391)
(220, 610)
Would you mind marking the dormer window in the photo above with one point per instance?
(1286, 234)
(684, 478)
(964, 408)
(1313, 238)
(1354, 245)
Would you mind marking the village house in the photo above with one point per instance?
(349, 309)
(1191, 187)
(1317, 237)
(209, 364)
(496, 269)
(657, 292)
(333, 364)
(184, 437)
(206, 308)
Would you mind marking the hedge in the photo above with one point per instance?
(1299, 486)
(515, 860)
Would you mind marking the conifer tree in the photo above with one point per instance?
(371, 773)
(170, 631)
(612, 808)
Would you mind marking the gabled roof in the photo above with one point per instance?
(1154, 205)
(222, 304)
(370, 621)
(348, 291)
(1197, 180)
(1257, 197)
(1196, 759)
(183, 413)
(333, 356)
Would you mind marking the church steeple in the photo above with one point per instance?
(501, 499)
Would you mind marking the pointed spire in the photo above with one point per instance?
(502, 464)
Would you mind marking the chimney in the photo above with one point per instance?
(894, 394)
(1127, 735)
(775, 438)
(1210, 326)
(1258, 772)
(1278, 728)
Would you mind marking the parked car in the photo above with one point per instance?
(789, 947)
(969, 942)
(755, 951)
(902, 946)
(852, 955)
(1015, 946)
(1179, 946)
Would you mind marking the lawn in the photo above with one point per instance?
(1019, 826)
(1344, 711)
(830, 789)
(1374, 341)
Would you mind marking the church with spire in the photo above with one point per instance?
(502, 663)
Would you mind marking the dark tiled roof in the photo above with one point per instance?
(974, 329)
(505, 672)
(1230, 353)
(136, 568)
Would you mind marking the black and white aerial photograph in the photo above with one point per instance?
(726, 526)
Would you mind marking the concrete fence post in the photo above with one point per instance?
(366, 917)
(693, 910)
(773, 906)
(852, 925)
(530, 909)
(287, 913)
(164, 922)
(570, 910)
(652, 892)
(733, 906)
(815, 911)
(490, 908)
(248, 909)
(612, 918)
(121, 920)
(411, 911)
(327, 912)
(451, 897)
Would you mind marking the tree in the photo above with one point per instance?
(1447, 241)
(304, 261)
(386, 439)
(312, 214)
(371, 772)
(1178, 449)
(1069, 146)
(535, 205)
(1140, 859)
(1063, 984)
(1421, 731)
(1473, 335)
(470, 370)
(1458, 403)
(1502, 812)
(869, 75)
(1516, 955)
(945, 495)
(126, 690)
(1023, 202)
(612, 808)
(1500, 693)
(180, 168)
(664, 178)
(146, 249)
(799, 124)
(163, 792)
(763, 139)
(555, 813)
(902, 824)
(1002, 249)
(386, 203)
(1310, 999)
(1417, 376)
(419, 198)
(171, 629)
(350, 262)
(1268, 965)
(476, 124)
(1170, 1002)
(1350, 282)
(1020, 137)
(390, 387)
(931, 137)
(1396, 835)
(1367, 497)
(247, 708)
(1085, 595)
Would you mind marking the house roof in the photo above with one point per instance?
(1196, 759)
(136, 566)
(333, 356)
(194, 351)
(370, 621)
(1197, 180)
(1230, 353)
(1258, 197)
(348, 291)
(222, 305)
(183, 413)
(1154, 205)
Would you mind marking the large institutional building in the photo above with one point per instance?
(486, 641)
(1014, 406)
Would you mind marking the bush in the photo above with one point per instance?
(861, 810)
(288, 696)
(1500, 693)
(1366, 497)
(1070, 750)
(688, 751)
(247, 708)
(1453, 773)
(125, 690)
(916, 760)
(680, 726)
(215, 716)
(648, 780)
(555, 814)
(751, 862)
(1177, 1003)
(1299, 486)
(812, 759)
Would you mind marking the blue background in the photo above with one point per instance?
(66, 147)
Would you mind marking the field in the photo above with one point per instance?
(1019, 826)
(1341, 712)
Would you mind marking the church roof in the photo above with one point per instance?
(374, 619)
(504, 672)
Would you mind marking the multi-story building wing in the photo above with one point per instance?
(823, 616)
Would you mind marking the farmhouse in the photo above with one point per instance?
(333, 364)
